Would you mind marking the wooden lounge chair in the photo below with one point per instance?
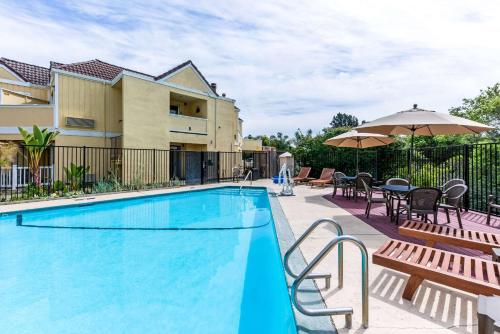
(462, 272)
(431, 233)
(325, 178)
(303, 175)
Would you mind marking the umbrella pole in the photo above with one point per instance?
(411, 156)
(357, 158)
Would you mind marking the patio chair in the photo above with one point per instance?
(467, 273)
(358, 187)
(303, 175)
(482, 241)
(325, 178)
(423, 202)
(450, 183)
(371, 199)
(237, 174)
(339, 182)
(491, 205)
(453, 200)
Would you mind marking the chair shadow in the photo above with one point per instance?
(432, 302)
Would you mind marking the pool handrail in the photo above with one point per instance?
(299, 241)
(347, 311)
(250, 173)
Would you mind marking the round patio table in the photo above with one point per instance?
(398, 191)
(349, 178)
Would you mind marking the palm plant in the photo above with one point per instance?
(75, 174)
(36, 143)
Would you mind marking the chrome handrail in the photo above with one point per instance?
(299, 241)
(246, 178)
(337, 310)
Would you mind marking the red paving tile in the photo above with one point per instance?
(471, 220)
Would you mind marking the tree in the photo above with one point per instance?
(484, 108)
(35, 144)
(341, 120)
(280, 141)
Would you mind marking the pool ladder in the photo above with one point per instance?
(306, 272)
(249, 174)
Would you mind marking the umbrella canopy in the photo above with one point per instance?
(357, 139)
(423, 122)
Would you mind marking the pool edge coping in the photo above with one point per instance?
(285, 237)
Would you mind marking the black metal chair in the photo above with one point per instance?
(423, 202)
(453, 200)
(491, 205)
(339, 182)
(371, 199)
(358, 187)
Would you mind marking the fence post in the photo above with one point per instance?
(154, 165)
(218, 166)
(13, 177)
(84, 184)
(202, 167)
(466, 176)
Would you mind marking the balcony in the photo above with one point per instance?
(188, 125)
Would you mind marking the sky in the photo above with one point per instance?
(288, 64)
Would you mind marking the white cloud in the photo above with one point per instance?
(288, 64)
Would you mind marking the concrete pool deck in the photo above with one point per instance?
(435, 308)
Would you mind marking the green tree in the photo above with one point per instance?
(484, 108)
(281, 141)
(341, 120)
(35, 144)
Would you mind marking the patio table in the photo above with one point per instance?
(399, 191)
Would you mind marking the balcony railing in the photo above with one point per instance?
(188, 124)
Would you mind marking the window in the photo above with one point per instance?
(174, 110)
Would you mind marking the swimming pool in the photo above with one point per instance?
(193, 262)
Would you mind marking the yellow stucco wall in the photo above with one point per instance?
(252, 144)
(226, 122)
(89, 99)
(35, 92)
(146, 110)
(188, 78)
(4, 74)
(15, 98)
(26, 116)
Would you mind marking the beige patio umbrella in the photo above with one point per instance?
(359, 140)
(422, 122)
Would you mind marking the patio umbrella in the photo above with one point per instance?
(359, 140)
(422, 122)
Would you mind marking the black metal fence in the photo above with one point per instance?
(477, 164)
(66, 170)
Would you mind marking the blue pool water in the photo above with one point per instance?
(194, 262)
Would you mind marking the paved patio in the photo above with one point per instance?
(435, 308)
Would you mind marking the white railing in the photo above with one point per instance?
(20, 176)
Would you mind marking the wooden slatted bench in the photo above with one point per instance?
(462, 272)
(432, 233)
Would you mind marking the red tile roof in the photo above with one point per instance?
(93, 68)
(30, 73)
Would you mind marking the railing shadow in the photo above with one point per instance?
(432, 302)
